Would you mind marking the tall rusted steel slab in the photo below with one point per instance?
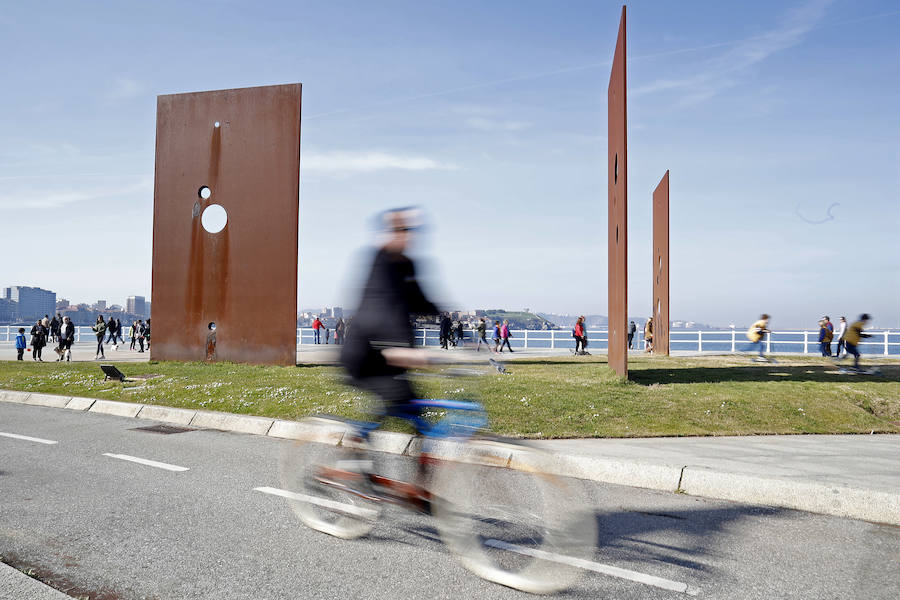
(244, 146)
(618, 209)
(661, 267)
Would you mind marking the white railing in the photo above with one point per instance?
(884, 342)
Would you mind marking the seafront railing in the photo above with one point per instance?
(882, 342)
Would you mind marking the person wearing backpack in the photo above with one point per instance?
(756, 334)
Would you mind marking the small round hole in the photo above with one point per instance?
(204, 192)
(211, 326)
(216, 124)
(214, 218)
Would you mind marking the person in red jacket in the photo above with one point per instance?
(317, 325)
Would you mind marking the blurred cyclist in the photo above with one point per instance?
(379, 348)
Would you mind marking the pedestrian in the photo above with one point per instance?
(505, 335)
(54, 328)
(111, 332)
(327, 335)
(38, 339)
(648, 335)
(853, 336)
(119, 332)
(147, 333)
(99, 329)
(21, 344)
(632, 329)
(132, 333)
(139, 330)
(841, 332)
(339, 332)
(446, 326)
(317, 325)
(460, 333)
(756, 335)
(578, 334)
(46, 322)
(66, 337)
(826, 334)
(496, 337)
(482, 333)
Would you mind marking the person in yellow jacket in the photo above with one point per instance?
(853, 335)
(756, 334)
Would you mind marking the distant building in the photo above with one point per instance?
(8, 311)
(147, 309)
(61, 304)
(100, 305)
(136, 305)
(32, 302)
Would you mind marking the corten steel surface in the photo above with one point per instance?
(661, 267)
(618, 209)
(243, 278)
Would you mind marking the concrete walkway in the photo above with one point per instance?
(16, 585)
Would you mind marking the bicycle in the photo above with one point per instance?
(496, 505)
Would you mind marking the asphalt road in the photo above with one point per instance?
(108, 528)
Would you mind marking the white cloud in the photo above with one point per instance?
(367, 162)
(723, 71)
(485, 124)
(124, 89)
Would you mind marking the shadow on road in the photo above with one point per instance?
(761, 373)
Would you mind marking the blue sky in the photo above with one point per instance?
(491, 115)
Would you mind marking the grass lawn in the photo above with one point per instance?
(539, 398)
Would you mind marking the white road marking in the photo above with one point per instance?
(356, 511)
(666, 584)
(149, 463)
(27, 438)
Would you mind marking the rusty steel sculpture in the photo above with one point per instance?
(225, 215)
(661, 267)
(618, 209)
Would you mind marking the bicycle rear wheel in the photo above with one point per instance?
(508, 520)
(329, 488)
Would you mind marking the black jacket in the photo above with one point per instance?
(383, 319)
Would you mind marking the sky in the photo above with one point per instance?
(778, 122)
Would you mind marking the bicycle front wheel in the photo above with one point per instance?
(509, 520)
(327, 484)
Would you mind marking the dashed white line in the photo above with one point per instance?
(666, 584)
(149, 463)
(27, 438)
(349, 509)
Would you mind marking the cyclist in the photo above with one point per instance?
(378, 349)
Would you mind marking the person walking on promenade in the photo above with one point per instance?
(316, 325)
(460, 333)
(147, 333)
(578, 334)
(38, 340)
(21, 343)
(505, 335)
(841, 332)
(54, 329)
(446, 325)
(140, 334)
(482, 335)
(132, 333)
(99, 328)
(112, 333)
(496, 336)
(327, 336)
(66, 338)
(648, 335)
(853, 336)
(826, 334)
(119, 331)
(632, 329)
(46, 322)
(339, 332)
(756, 334)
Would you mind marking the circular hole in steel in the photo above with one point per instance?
(214, 218)
(216, 124)
(204, 192)
(211, 326)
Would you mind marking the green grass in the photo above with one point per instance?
(540, 398)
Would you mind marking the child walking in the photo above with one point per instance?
(21, 344)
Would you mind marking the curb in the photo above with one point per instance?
(21, 586)
(827, 499)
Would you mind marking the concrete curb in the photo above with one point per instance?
(15, 584)
(821, 498)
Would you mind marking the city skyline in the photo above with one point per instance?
(777, 121)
